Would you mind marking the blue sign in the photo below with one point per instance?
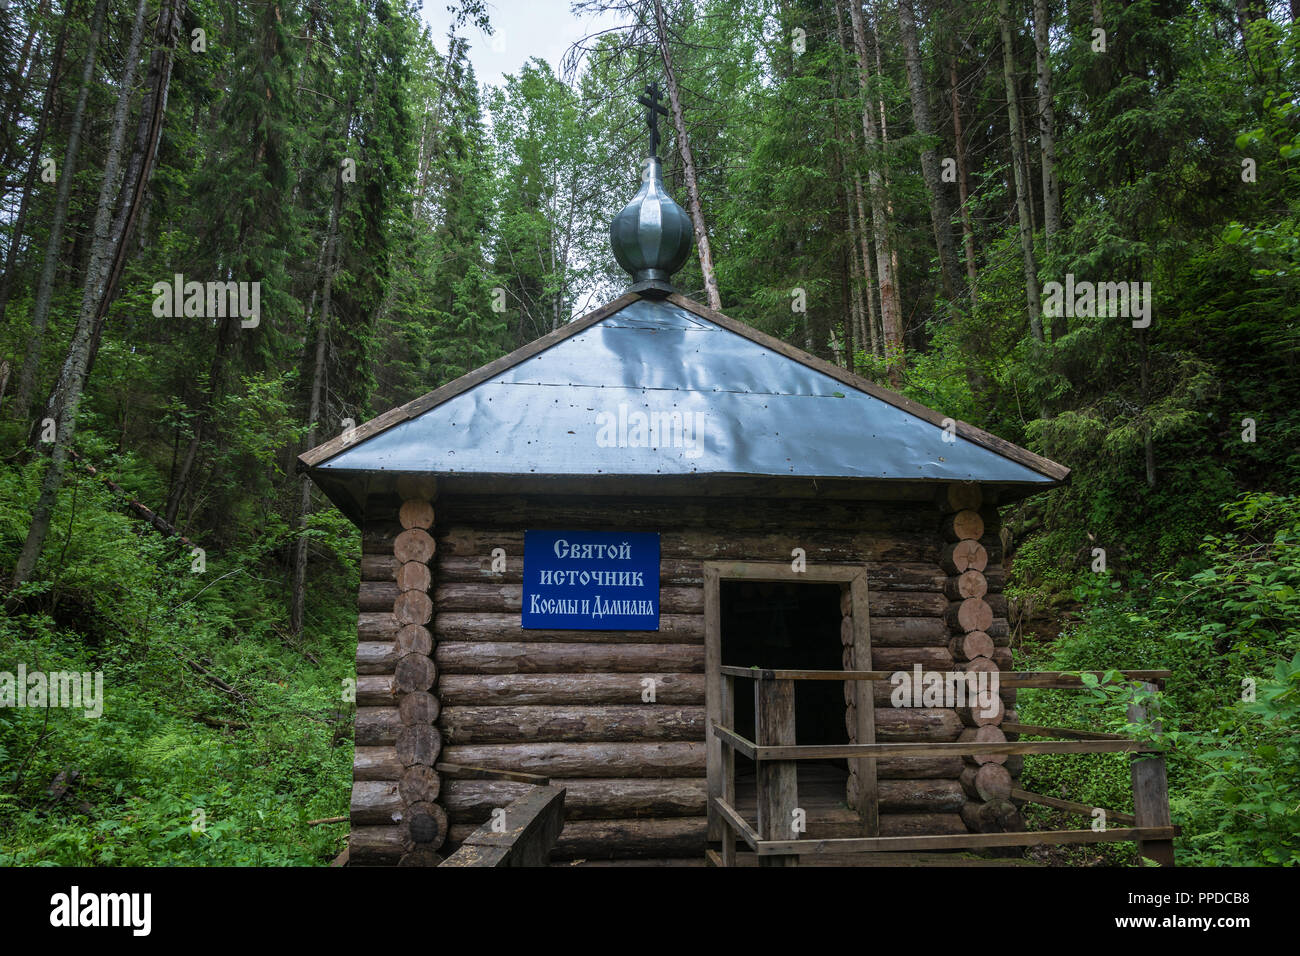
(591, 580)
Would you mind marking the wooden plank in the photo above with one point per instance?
(781, 571)
(522, 658)
(841, 541)
(490, 856)
(532, 825)
(713, 672)
(740, 743)
(1151, 791)
(728, 720)
(557, 760)
(777, 781)
(1059, 804)
(481, 627)
(738, 824)
(865, 708)
(461, 772)
(1060, 679)
(459, 690)
(594, 839)
(683, 517)
(763, 673)
(886, 576)
(472, 801)
(969, 841)
(624, 839)
(938, 749)
(580, 724)
(1067, 732)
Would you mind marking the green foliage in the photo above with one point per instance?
(1230, 633)
(476, 221)
(251, 761)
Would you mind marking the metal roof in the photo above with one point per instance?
(664, 387)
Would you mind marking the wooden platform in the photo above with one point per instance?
(848, 859)
(821, 794)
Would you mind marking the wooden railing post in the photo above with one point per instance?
(777, 783)
(532, 825)
(1150, 790)
(728, 767)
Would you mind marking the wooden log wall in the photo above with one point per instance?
(395, 814)
(970, 526)
(568, 704)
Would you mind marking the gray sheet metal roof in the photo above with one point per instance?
(720, 403)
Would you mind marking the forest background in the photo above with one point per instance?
(891, 185)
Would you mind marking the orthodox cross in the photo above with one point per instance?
(652, 113)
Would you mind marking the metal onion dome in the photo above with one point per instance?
(652, 236)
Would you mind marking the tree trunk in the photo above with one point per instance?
(939, 217)
(890, 313)
(963, 185)
(864, 240)
(49, 266)
(216, 373)
(866, 310)
(1148, 443)
(884, 175)
(329, 266)
(1017, 152)
(857, 326)
(688, 162)
(1046, 125)
(20, 222)
(21, 78)
(108, 253)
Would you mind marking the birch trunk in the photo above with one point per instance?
(939, 217)
(50, 264)
(330, 267)
(688, 162)
(1046, 125)
(1032, 301)
(108, 253)
(890, 313)
(20, 222)
(963, 185)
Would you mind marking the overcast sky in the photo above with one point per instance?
(521, 29)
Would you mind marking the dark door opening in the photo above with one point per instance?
(774, 624)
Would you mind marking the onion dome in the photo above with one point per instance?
(652, 236)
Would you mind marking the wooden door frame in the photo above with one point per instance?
(852, 576)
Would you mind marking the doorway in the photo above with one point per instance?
(781, 625)
(769, 616)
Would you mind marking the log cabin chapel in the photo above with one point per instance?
(567, 550)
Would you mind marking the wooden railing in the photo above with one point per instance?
(776, 756)
(525, 837)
